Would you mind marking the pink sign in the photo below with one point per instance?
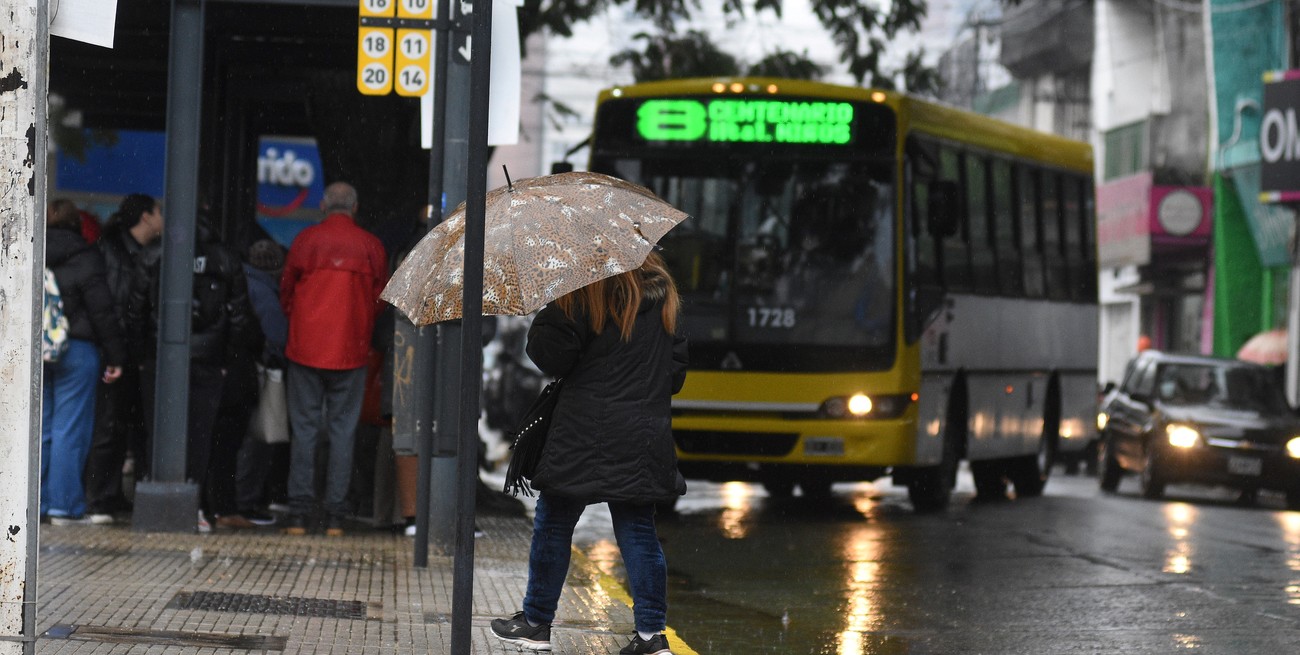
(1177, 211)
(1123, 220)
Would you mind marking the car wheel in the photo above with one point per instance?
(1153, 484)
(1109, 472)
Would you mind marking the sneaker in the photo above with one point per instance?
(515, 630)
(282, 508)
(657, 645)
(101, 519)
(334, 528)
(234, 522)
(69, 520)
(257, 517)
(203, 526)
(297, 525)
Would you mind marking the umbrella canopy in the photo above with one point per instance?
(1268, 348)
(544, 237)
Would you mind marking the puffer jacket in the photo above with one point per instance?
(79, 270)
(610, 439)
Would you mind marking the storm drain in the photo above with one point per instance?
(164, 637)
(213, 601)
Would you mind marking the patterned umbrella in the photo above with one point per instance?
(1268, 348)
(544, 237)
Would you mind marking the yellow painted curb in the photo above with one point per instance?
(614, 589)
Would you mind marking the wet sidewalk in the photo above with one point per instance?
(109, 590)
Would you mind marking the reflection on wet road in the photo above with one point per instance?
(1075, 571)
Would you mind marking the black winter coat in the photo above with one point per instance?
(128, 265)
(222, 325)
(79, 270)
(611, 436)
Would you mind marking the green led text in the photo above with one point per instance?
(746, 121)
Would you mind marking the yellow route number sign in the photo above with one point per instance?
(375, 60)
(412, 68)
(414, 9)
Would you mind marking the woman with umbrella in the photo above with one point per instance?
(615, 344)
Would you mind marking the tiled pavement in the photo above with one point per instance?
(109, 590)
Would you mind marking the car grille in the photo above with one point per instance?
(1255, 441)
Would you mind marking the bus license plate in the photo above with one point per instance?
(825, 446)
(1245, 465)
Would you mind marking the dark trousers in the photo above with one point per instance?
(119, 427)
(206, 380)
(238, 400)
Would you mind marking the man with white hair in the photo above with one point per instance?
(330, 289)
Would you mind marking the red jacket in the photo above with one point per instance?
(330, 293)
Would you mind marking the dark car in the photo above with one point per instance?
(1183, 418)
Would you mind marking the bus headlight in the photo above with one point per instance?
(861, 405)
(1182, 436)
(1293, 447)
(1102, 420)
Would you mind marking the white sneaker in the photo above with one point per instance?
(101, 519)
(67, 520)
(204, 527)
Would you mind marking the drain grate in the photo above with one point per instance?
(284, 605)
(165, 637)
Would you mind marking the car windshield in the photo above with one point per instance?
(1243, 388)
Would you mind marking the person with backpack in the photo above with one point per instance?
(94, 350)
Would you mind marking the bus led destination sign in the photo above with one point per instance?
(746, 121)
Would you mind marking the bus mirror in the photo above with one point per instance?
(943, 208)
(561, 167)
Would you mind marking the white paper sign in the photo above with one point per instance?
(90, 21)
(504, 85)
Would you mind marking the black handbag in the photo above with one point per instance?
(527, 442)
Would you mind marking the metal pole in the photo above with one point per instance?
(24, 60)
(447, 381)
(426, 339)
(471, 359)
(168, 502)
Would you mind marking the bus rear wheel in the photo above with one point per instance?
(1029, 474)
(930, 487)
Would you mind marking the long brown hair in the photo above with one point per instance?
(618, 298)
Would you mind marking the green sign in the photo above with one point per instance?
(746, 121)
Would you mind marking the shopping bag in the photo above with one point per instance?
(270, 421)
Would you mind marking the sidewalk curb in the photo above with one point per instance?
(614, 589)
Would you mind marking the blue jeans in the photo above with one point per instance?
(67, 424)
(643, 557)
(321, 398)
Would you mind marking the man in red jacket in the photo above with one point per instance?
(330, 293)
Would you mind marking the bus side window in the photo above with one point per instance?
(1058, 282)
(1072, 232)
(983, 259)
(1027, 192)
(956, 248)
(927, 258)
(1088, 228)
(1005, 234)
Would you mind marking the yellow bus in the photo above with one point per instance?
(873, 285)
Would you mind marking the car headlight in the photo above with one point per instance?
(860, 405)
(1293, 447)
(1182, 436)
(1102, 420)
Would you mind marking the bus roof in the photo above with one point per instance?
(917, 115)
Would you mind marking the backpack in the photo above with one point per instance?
(54, 323)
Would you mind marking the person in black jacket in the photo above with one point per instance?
(615, 344)
(222, 328)
(68, 384)
(130, 244)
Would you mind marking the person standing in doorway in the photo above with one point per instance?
(329, 290)
(131, 244)
(68, 386)
(616, 346)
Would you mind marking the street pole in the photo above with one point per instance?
(24, 60)
(471, 340)
(168, 502)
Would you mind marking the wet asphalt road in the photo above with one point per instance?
(1076, 571)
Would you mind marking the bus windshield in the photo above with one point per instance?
(784, 264)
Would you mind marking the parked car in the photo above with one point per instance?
(1182, 418)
